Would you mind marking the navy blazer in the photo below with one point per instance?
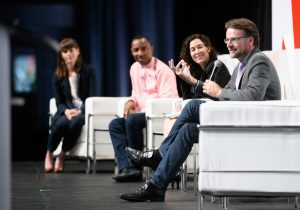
(62, 90)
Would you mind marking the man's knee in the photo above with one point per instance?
(135, 121)
(190, 127)
(194, 103)
(190, 130)
(115, 123)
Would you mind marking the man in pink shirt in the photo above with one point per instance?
(150, 78)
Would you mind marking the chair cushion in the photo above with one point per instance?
(251, 113)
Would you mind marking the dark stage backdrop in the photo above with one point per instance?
(104, 29)
(113, 23)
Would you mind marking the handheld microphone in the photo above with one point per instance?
(217, 64)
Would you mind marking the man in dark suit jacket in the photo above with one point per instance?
(254, 79)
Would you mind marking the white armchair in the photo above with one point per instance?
(249, 149)
(94, 142)
(252, 148)
(99, 113)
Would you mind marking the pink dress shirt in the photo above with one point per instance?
(155, 80)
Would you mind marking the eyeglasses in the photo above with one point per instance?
(234, 40)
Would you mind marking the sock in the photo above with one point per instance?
(156, 155)
(148, 154)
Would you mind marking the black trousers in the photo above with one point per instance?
(66, 130)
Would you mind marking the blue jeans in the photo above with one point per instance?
(177, 145)
(127, 133)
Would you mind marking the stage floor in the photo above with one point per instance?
(32, 189)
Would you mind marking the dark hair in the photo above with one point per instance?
(65, 44)
(141, 37)
(186, 55)
(247, 25)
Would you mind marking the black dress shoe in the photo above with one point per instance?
(129, 175)
(149, 158)
(147, 193)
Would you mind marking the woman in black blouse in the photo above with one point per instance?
(197, 62)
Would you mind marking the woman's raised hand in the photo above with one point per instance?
(179, 68)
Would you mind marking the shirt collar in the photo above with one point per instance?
(151, 64)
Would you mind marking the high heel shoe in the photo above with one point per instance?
(48, 170)
(59, 164)
(48, 166)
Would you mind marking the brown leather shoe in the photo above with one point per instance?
(48, 165)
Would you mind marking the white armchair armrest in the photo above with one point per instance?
(121, 103)
(156, 112)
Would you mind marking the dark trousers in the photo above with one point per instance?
(127, 133)
(69, 130)
(177, 145)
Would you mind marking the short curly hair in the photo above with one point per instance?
(247, 25)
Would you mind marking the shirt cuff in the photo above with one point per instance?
(198, 89)
(219, 93)
(195, 87)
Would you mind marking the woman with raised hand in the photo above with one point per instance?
(198, 62)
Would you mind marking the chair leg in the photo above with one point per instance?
(290, 200)
(296, 202)
(195, 169)
(182, 177)
(213, 199)
(94, 165)
(185, 177)
(88, 166)
(116, 172)
(200, 201)
(225, 202)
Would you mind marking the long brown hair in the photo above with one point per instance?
(61, 69)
